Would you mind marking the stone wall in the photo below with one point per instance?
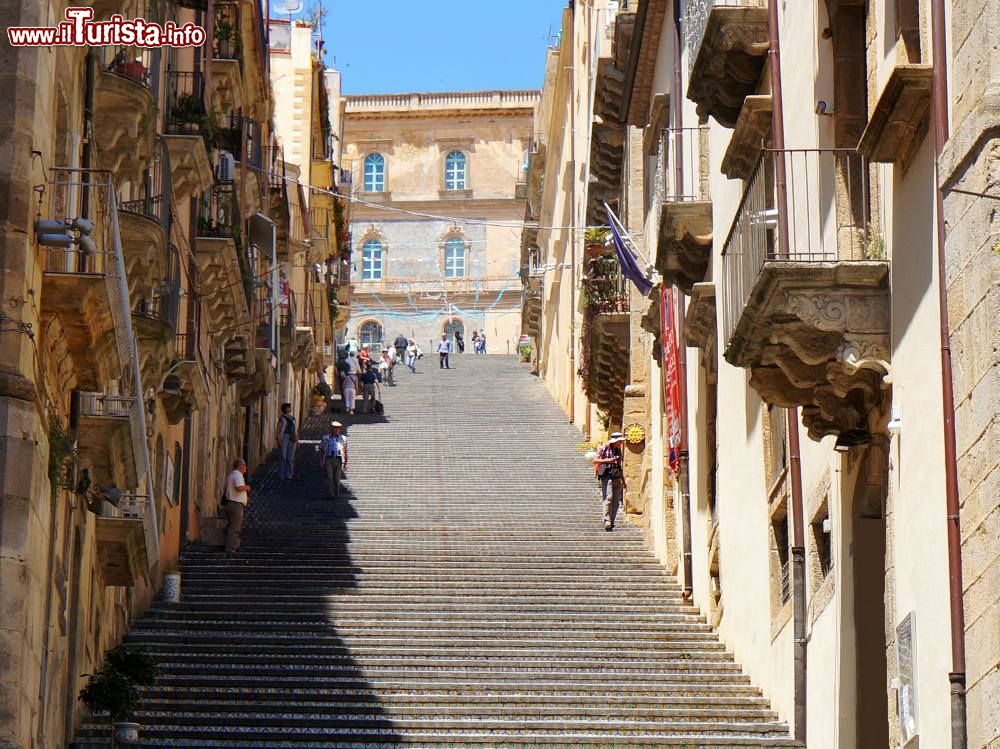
(971, 162)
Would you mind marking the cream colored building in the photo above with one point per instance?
(822, 298)
(436, 215)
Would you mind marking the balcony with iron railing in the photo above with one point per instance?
(120, 539)
(604, 335)
(125, 94)
(684, 245)
(226, 92)
(103, 444)
(187, 128)
(804, 294)
(726, 42)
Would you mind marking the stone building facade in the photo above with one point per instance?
(436, 214)
(804, 295)
(146, 340)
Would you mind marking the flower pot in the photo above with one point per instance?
(594, 249)
(127, 733)
(172, 587)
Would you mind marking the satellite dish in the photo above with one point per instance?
(288, 6)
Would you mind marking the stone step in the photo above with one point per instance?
(468, 741)
(319, 727)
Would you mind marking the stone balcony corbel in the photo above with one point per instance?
(900, 117)
(751, 135)
(701, 328)
(126, 134)
(730, 59)
(685, 242)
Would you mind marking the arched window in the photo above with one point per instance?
(371, 260)
(371, 333)
(454, 258)
(454, 171)
(374, 173)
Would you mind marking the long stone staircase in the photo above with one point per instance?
(464, 594)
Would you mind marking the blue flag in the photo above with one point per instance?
(626, 257)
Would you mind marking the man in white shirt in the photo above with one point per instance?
(443, 347)
(333, 458)
(236, 495)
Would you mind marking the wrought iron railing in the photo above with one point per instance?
(605, 287)
(152, 196)
(186, 113)
(129, 507)
(827, 206)
(217, 212)
(101, 405)
(227, 43)
(684, 155)
(139, 64)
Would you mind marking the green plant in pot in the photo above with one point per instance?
(114, 690)
(595, 240)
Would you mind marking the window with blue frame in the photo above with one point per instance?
(455, 171)
(371, 260)
(374, 173)
(454, 258)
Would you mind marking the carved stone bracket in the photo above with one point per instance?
(190, 170)
(730, 60)
(701, 328)
(816, 335)
(226, 91)
(751, 134)
(901, 116)
(685, 242)
(126, 131)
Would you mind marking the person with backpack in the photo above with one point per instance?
(608, 467)
(400, 345)
(286, 437)
(333, 458)
(369, 387)
(234, 504)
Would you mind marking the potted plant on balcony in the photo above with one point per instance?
(595, 240)
(114, 690)
(187, 113)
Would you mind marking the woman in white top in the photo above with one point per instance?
(412, 354)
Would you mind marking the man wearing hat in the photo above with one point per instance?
(333, 458)
(608, 466)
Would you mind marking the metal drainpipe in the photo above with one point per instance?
(684, 479)
(794, 452)
(939, 100)
(572, 230)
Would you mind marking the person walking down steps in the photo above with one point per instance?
(234, 505)
(608, 467)
(333, 458)
(286, 437)
(444, 349)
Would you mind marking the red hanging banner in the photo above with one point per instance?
(671, 375)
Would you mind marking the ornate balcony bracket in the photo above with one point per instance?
(80, 301)
(237, 360)
(685, 242)
(751, 134)
(730, 60)
(121, 551)
(226, 93)
(144, 244)
(609, 363)
(816, 335)
(261, 381)
(126, 133)
(105, 448)
(220, 268)
(901, 116)
(190, 169)
(701, 328)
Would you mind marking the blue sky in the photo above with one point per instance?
(385, 46)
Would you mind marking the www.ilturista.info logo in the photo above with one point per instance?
(78, 30)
